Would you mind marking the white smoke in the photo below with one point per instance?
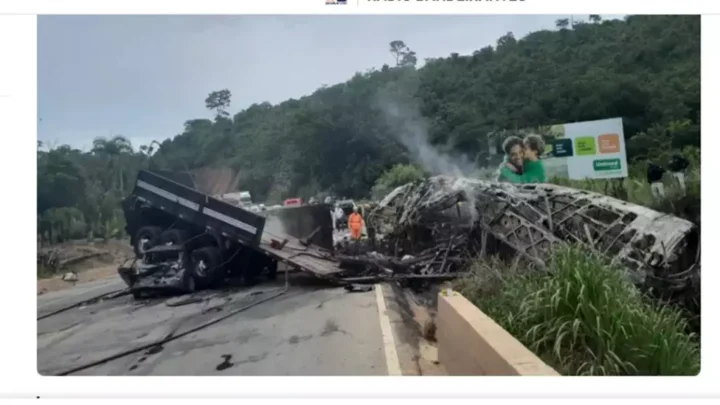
(410, 128)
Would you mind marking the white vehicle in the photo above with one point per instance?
(245, 199)
(240, 199)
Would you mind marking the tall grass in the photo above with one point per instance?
(583, 317)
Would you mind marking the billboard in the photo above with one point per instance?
(586, 150)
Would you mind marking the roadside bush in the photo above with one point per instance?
(396, 176)
(583, 317)
(44, 271)
(77, 230)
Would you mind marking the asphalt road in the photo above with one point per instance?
(53, 301)
(309, 330)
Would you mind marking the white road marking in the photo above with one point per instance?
(391, 356)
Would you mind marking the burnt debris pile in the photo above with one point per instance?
(432, 230)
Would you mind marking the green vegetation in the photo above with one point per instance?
(397, 176)
(79, 193)
(584, 318)
(343, 138)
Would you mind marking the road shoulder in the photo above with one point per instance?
(416, 355)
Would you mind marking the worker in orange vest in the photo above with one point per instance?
(355, 223)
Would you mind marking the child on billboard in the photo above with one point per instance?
(533, 165)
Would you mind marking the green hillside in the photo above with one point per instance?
(341, 138)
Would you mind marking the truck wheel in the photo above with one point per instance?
(250, 277)
(173, 237)
(272, 270)
(145, 238)
(252, 271)
(207, 267)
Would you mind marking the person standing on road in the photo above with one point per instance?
(355, 223)
(333, 217)
(338, 215)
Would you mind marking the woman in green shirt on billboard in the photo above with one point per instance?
(522, 160)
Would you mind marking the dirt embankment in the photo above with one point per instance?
(91, 261)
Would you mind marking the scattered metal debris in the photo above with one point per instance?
(358, 288)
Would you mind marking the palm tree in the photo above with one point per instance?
(113, 149)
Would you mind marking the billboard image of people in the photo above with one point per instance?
(580, 150)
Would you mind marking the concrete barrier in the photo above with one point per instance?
(471, 343)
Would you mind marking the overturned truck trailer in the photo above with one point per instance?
(474, 217)
(185, 239)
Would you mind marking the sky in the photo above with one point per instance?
(144, 76)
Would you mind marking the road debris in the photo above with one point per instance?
(358, 288)
(183, 300)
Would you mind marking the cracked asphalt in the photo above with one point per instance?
(310, 330)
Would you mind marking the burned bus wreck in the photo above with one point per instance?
(433, 228)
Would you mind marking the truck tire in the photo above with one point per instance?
(207, 267)
(272, 269)
(173, 237)
(145, 238)
(189, 281)
(255, 266)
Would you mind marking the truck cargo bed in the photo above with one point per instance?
(186, 203)
(305, 258)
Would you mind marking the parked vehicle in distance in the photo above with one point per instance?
(245, 199)
(292, 202)
(238, 199)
